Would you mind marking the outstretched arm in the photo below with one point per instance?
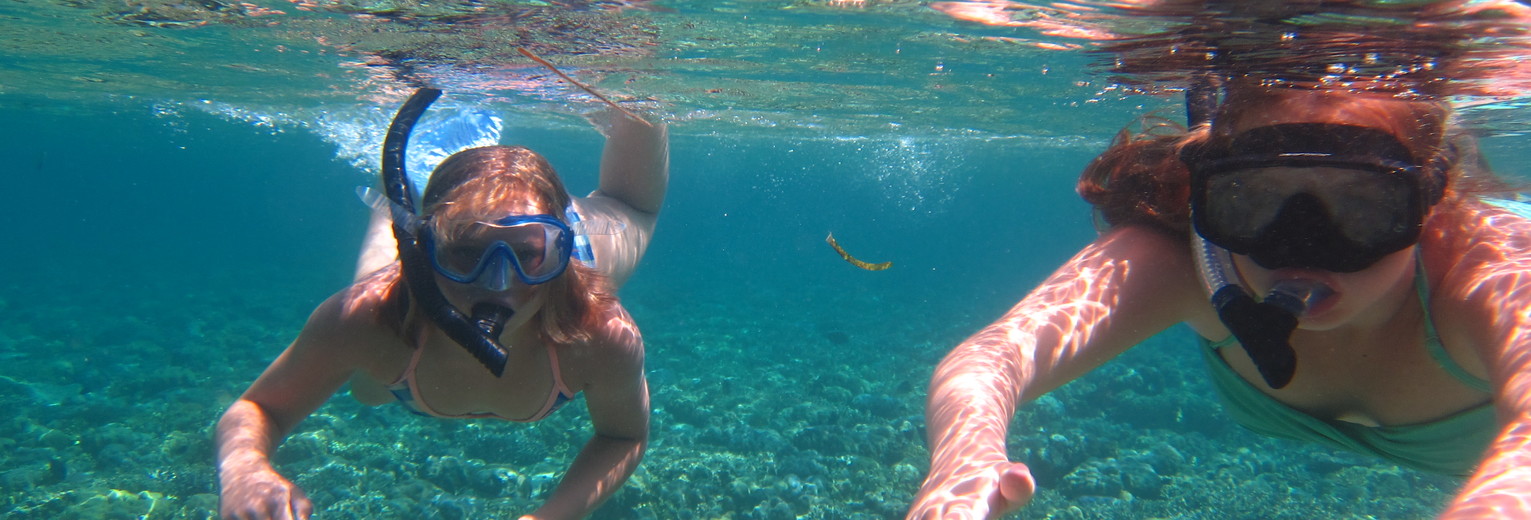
(1121, 289)
(1497, 296)
(618, 397)
(300, 380)
(378, 248)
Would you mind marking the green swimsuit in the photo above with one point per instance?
(1452, 445)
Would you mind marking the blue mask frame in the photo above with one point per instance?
(498, 252)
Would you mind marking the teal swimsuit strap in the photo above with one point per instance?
(1214, 345)
(1433, 340)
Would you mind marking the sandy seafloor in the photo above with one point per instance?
(158, 263)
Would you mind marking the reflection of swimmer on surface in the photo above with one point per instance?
(1331, 249)
(501, 303)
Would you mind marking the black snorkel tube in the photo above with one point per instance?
(1265, 327)
(480, 334)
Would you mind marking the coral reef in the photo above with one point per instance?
(760, 411)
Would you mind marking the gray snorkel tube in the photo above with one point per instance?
(480, 334)
(1265, 327)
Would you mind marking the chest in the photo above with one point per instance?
(450, 381)
(1388, 377)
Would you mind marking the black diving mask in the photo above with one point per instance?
(1311, 195)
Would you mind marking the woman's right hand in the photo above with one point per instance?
(975, 492)
(261, 494)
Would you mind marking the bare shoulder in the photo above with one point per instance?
(1469, 243)
(611, 211)
(1156, 267)
(618, 336)
(1146, 243)
(1141, 276)
(1477, 257)
(1146, 253)
(341, 338)
(349, 325)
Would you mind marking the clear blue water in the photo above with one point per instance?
(175, 216)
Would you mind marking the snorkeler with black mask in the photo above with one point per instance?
(1332, 197)
(1325, 232)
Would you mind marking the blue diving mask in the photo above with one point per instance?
(532, 248)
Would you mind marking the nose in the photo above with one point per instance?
(496, 275)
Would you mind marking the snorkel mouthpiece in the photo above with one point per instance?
(1264, 329)
(1297, 296)
(480, 334)
(491, 318)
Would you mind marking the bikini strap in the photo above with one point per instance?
(559, 388)
(1433, 340)
(408, 375)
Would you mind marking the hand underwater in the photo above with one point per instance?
(263, 494)
(974, 493)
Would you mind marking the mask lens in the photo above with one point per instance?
(537, 248)
(1365, 206)
(534, 248)
(1320, 195)
(1335, 213)
(459, 258)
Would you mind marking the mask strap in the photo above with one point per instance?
(582, 250)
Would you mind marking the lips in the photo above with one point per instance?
(1323, 304)
(1315, 289)
(491, 318)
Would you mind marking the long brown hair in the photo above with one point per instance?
(1140, 180)
(477, 184)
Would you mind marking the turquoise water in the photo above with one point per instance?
(176, 213)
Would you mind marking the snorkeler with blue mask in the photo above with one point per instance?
(494, 297)
(533, 248)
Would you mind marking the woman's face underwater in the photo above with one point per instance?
(1371, 294)
(516, 295)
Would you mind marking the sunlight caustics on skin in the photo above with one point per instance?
(369, 288)
(1502, 484)
(977, 388)
(1499, 271)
